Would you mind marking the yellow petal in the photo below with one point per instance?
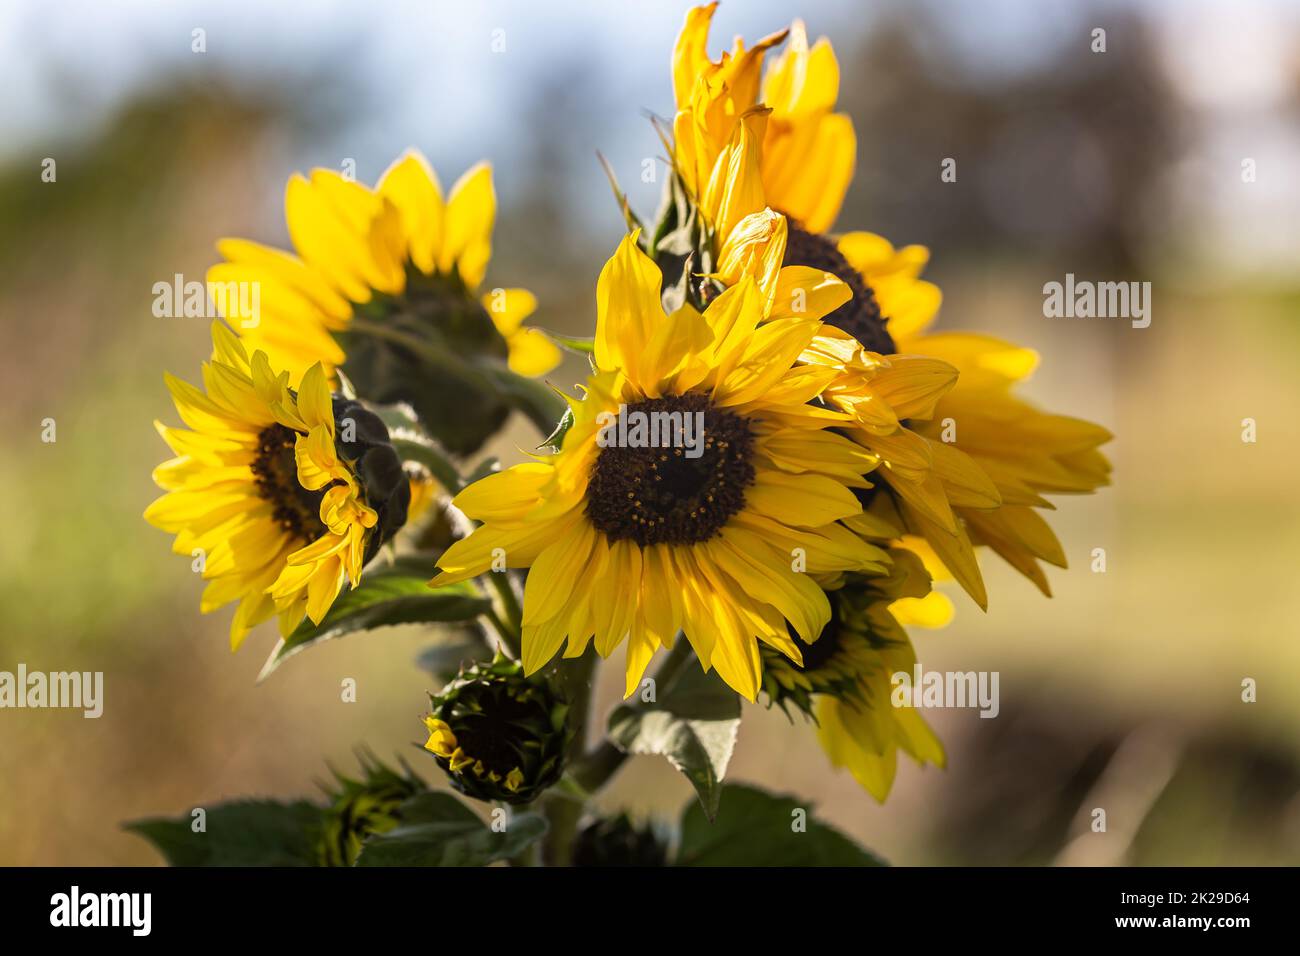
(412, 186)
(532, 353)
(471, 213)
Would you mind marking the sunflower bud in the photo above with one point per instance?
(362, 439)
(498, 734)
(360, 808)
(617, 841)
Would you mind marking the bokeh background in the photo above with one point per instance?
(1123, 691)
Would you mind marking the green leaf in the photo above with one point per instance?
(583, 345)
(761, 829)
(693, 724)
(242, 833)
(397, 594)
(439, 830)
(620, 197)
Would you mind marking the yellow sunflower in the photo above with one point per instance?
(950, 491)
(723, 537)
(844, 680)
(381, 275)
(1025, 452)
(807, 150)
(267, 490)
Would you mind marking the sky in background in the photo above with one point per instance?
(411, 73)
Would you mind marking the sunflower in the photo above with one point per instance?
(282, 504)
(948, 493)
(807, 151)
(844, 680)
(725, 539)
(1025, 452)
(381, 275)
(880, 393)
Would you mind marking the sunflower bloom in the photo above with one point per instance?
(808, 151)
(1025, 452)
(394, 264)
(269, 491)
(627, 540)
(948, 494)
(845, 679)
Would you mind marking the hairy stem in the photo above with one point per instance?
(598, 766)
(507, 617)
(563, 812)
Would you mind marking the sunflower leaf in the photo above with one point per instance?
(693, 724)
(629, 217)
(763, 829)
(583, 345)
(439, 830)
(240, 833)
(397, 594)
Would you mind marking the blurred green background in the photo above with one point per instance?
(1123, 691)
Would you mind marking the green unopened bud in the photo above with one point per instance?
(361, 808)
(617, 841)
(361, 439)
(498, 734)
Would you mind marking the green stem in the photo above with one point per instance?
(507, 617)
(432, 458)
(509, 600)
(508, 637)
(452, 365)
(563, 812)
(598, 766)
(535, 399)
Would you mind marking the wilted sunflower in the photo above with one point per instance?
(845, 680)
(974, 480)
(638, 542)
(383, 278)
(282, 504)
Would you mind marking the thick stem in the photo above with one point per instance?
(451, 365)
(507, 617)
(599, 765)
(563, 812)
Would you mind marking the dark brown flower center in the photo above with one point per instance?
(275, 469)
(860, 316)
(816, 654)
(662, 478)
